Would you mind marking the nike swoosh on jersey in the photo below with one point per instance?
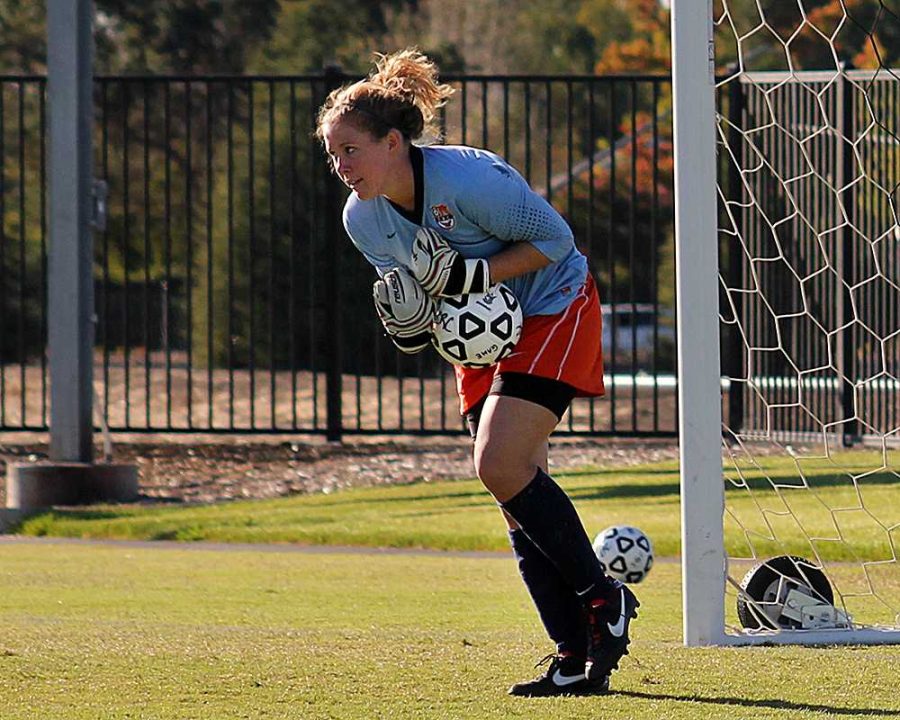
(391, 235)
(562, 680)
(619, 628)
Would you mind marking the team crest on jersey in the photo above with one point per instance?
(443, 216)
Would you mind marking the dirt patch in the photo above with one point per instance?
(181, 469)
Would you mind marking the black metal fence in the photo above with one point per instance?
(812, 301)
(228, 298)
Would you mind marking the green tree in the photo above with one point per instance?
(155, 36)
(781, 35)
(311, 34)
(630, 35)
(548, 36)
(22, 37)
(181, 35)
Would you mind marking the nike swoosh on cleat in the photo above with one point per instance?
(562, 680)
(618, 629)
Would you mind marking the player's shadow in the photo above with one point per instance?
(474, 497)
(615, 472)
(830, 710)
(624, 490)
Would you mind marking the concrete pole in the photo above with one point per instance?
(70, 477)
(71, 296)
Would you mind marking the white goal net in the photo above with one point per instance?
(807, 171)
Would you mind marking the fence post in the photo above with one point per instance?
(735, 360)
(847, 337)
(334, 232)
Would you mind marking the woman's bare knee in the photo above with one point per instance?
(503, 474)
(511, 444)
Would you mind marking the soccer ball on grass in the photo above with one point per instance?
(625, 553)
(478, 329)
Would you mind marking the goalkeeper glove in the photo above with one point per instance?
(442, 271)
(405, 310)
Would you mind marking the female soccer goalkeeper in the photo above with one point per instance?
(441, 221)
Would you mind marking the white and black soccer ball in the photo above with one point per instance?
(625, 553)
(478, 329)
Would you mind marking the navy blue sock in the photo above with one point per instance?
(549, 519)
(558, 606)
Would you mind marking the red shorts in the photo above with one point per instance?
(564, 347)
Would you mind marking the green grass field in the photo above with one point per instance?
(162, 632)
(462, 516)
(181, 631)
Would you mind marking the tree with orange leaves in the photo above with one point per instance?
(810, 35)
(631, 35)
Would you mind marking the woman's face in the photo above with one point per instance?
(364, 163)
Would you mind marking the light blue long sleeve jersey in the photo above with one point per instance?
(478, 203)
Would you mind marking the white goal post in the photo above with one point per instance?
(818, 522)
(696, 273)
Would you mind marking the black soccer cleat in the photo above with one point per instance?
(565, 676)
(608, 619)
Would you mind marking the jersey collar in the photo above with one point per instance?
(417, 158)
